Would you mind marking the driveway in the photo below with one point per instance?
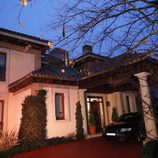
(93, 148)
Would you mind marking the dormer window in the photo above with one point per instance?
(2, 66)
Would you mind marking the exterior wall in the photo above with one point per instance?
(61, 127)
(18, 64)
(55, 127)
(72, 95)
(118, 100)
(14, 109)
(4, 97)
(65, 127)
(26, 50)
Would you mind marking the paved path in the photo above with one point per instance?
(91, 148)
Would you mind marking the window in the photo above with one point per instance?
(2, 66)
(59, 106)
(1, 114)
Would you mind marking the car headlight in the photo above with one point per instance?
(125, 129)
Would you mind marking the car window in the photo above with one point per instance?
(128, 117)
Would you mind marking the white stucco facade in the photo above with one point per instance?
(55, 127)
(72, 95)
(118, 100)
(18, 64)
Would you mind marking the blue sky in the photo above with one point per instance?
(35, 17)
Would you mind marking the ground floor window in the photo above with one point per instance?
(59, 106)
(1, 114)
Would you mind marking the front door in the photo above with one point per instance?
(96, 109)
(96, 104)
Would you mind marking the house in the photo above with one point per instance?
(96, 81)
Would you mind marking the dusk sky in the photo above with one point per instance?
(35, 17)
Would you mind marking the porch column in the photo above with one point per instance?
(147, 107)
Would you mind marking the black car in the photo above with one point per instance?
(129, 126)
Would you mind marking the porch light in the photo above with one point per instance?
(50, 44)
(62, 70)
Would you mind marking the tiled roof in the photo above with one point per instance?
(111, 64)
(60, 72)
(68, 73)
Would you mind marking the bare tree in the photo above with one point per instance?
(116, 25)
(110, 25)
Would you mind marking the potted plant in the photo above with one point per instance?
(92, 122)
(114, 116)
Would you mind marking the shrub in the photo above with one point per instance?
(79, 122)
(150, 150)
(8, 139)
(114, 114)
(35, 145)
(33, 122)
(58, 140)
(91, 120)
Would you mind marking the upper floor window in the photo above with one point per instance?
(59, 106)
(2, 66)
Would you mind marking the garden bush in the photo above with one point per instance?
(114, 114)
(79, 122)
(33, 122)
(35, 145)
(150, 150)
(8, 139)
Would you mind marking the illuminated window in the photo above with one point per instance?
(59, 106)
(1, 114)
(2, 66)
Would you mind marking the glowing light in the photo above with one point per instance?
(50, 44)
(23, 2)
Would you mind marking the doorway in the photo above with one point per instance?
(96, 104)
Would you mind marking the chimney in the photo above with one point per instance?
(87, 49)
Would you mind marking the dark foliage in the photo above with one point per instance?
(32, 146)
(79, 122)
(114, 114)
(91, 120)
(33, 122)
(150, 149)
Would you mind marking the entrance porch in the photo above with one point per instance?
(127, 89)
